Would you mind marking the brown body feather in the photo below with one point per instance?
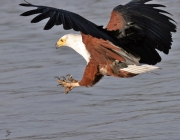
(102, 60)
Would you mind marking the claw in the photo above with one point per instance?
(60, 85)
(67, 82)
(56, 77)
(69, 75)
(71, 79)
(64, 78)
(67, 89)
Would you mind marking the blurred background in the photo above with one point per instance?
(145, 107)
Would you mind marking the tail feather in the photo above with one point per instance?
(140, 69)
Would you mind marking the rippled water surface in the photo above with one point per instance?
(146, 107)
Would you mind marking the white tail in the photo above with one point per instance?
(139, 69)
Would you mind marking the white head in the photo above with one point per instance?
(68, 40)
(74, 41)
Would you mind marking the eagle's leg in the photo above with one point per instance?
(68, 85)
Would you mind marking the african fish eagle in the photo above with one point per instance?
(133, 35)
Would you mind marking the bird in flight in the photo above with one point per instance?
(126, 47)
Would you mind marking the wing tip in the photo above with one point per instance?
(47, 27)
(23, 14)
(25, 4)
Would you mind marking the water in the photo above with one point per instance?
(145, 107)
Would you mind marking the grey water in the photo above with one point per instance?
(32, 107)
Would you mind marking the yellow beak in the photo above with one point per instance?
(56, 45)
(59, 44)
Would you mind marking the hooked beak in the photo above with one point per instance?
(57, 46)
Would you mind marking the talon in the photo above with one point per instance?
(71, 79)
(67, 82)
(56, 77)
(60, 85)
(67, 90)
(64, 78)
(69, 75)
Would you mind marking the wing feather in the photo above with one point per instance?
(51, 21)
(58, 19)
(137, 27)
(145, 29)
(69, 20)
(32, 12)
(40, 17)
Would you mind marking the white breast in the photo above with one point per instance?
(74, 41)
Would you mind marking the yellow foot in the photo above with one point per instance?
(68, 85)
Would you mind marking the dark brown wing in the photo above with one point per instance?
(68, 19)
(141, 28)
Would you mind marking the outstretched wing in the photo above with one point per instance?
(68, 19)
(141, 28)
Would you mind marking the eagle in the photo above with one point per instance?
(126, 47)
